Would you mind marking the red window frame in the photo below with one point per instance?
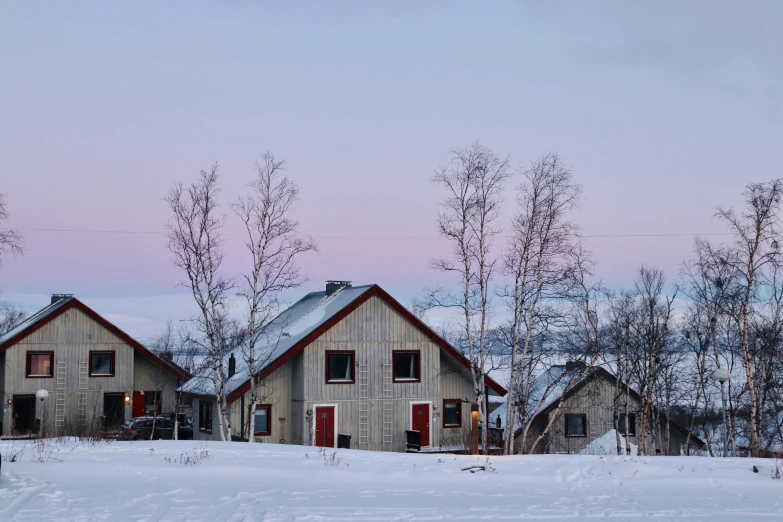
(352, 353)
(268, 432)
(29, 366)
(113, 362)
(417, 353)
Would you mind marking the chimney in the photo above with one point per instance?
(333, 286)
(60, 297)
(574, 365)
(232, 366)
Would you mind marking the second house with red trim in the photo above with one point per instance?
(348, 361)
(66, 370)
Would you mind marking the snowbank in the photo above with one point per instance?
(188, 480)
(607, 445)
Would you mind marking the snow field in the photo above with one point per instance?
(214, 481)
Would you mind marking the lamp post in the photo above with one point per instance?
(722, 375)
(41, 395)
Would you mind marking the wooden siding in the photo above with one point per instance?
(595, 402)
(456, 382)
(71, 336)
(148, 376)
(373, 331)
(275, 390)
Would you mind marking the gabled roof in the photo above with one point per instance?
(555, 375)
(54, 310)
(301, 324)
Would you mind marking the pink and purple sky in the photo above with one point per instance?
(664, 110)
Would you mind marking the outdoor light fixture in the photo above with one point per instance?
(127, 399)
(9, 402)
(42, 395)
(722, 375)
(474, 415)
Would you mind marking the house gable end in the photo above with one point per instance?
(49, 329)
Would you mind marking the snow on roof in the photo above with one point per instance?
(545, 390)
(282, 334)
(30, 321)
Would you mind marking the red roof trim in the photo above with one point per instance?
(75, 303)
(375, 290)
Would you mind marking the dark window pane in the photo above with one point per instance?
(631, 425)
(576, 426)
(101, 363)
(205, 416)
(406, 366)
(340, 367)
(451, 413)
(262, 420)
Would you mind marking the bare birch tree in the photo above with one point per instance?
(274, 245)
(537, 259)
(194, 237)
(652, 325)
(11, 241)
(473, 182)
(755, 247)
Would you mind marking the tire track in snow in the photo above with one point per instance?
(24, 495)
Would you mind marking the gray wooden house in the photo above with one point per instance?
(580, 406)
(95, 374)
(351, 361)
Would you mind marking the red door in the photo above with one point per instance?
(421, 421)
(324, 426)
(138, 404)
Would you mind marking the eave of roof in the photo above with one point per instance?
(377, 291)
(51, 312)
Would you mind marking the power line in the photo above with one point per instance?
(359, 237)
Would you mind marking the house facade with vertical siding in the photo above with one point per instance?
(95, 374)
(580, 407)
(349, 361)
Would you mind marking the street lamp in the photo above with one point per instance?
(41, 395)
(722, 375)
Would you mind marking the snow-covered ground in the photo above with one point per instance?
(187, 480)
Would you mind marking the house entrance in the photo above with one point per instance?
(113, 410)
(23, 413)
(324, 426)
(138, 404)
(420, 421)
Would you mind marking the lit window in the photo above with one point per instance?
(406, 366)
(39, 364)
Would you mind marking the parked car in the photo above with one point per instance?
(140, 428)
